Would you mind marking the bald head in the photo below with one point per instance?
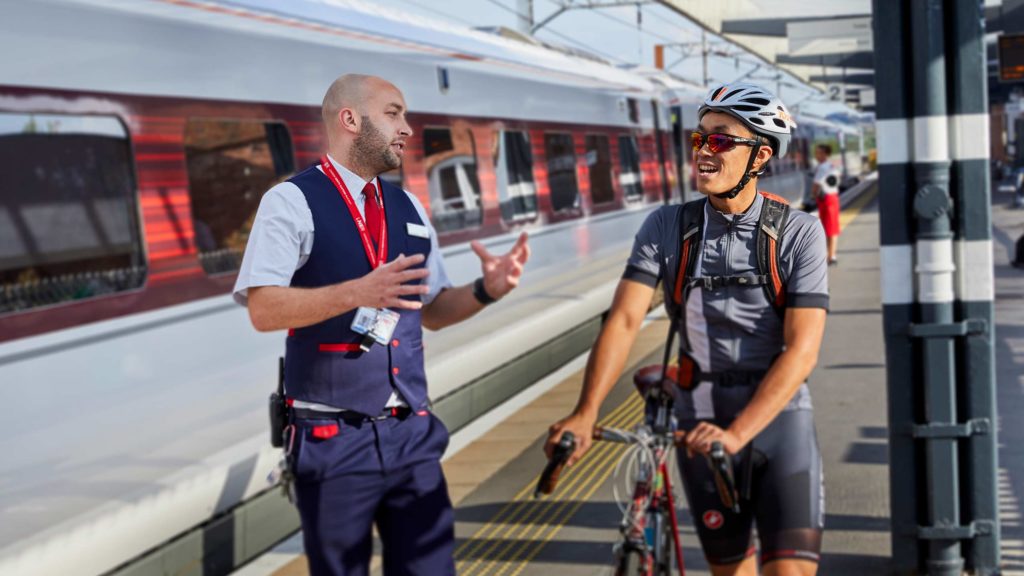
(364, 117)
(353, 91)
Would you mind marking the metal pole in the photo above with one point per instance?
(704, 54)
(894, 182)
(933, 251)
(524, 20)
(969, 150)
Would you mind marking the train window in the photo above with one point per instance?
(629, 158)
(231, 163)
(514, 166)
(599, 164)
(450, 161)
(561, 154)
(69, 225)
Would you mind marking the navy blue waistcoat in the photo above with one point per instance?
(323, 362)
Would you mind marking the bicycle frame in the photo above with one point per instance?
(650, 524)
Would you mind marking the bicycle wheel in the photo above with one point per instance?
(666, 552)
(632, 563)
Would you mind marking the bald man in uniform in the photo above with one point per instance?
(362, 443)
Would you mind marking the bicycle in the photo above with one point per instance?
(649, 525)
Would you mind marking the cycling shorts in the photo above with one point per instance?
(781, 473)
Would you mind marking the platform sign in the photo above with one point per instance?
(836, 92)
(1011, 57)
(867, 97)
(830, 36)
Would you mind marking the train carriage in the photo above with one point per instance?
(137, 139)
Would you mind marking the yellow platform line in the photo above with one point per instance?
(593, 480)
(602, 453)
(488, 539)
(523, 540)
(853, 210)
(496, 531)
(513, 507)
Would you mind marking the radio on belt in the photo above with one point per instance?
(375, 324)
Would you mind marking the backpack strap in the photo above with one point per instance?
(771, 226)
(691, 224)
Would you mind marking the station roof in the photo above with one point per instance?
(766, 28)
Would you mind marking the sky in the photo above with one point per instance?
(614, 34)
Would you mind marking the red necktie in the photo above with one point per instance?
(374, 215)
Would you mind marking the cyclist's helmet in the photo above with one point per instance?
(756, 107)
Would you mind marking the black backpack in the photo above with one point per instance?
(771, 227)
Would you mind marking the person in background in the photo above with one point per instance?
(826, 191)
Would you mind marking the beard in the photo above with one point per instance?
(372, 150)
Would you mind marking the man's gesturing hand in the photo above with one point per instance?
(383, 287)
(502, 273)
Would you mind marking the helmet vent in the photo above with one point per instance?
(779, 123)
(756, 100)
(757, 121)
(745, 108)
(733, 93)
(717, 92)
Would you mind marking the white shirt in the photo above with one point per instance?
(821, 177)
(281, 241)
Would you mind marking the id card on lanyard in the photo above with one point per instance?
(378, 258)
(375, 325)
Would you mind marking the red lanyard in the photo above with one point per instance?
(382, 251)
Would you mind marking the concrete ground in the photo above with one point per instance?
(502, 530)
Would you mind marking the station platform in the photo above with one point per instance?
(493, 464)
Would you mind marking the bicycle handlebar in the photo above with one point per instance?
(549, 478)
(721, 465)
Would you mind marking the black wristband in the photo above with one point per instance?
(480, 293)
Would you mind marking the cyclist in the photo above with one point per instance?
(749, 359)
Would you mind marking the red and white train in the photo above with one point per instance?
(136, 139)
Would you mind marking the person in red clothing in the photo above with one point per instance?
(826, 192)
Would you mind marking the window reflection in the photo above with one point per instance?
(68, 210)
(231, 163)
(561, 155)
(599, 164)
(450, 162)
(629, 158)
(514, 166)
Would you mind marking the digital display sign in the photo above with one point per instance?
(1011, 58)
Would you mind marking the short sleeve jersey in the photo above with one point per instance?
(734, 327)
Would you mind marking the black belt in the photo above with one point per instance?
(730, 378)
(400, 412)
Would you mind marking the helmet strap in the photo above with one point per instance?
(748, 173)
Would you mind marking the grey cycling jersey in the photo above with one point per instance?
(734, 327)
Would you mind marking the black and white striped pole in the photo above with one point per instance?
(895, 179)
(970, 190)
(934, 272)
(936, 239)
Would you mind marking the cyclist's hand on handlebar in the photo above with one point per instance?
(699, 439)
(581, 427)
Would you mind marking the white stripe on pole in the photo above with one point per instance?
(969, 137)
(893, 140)
(975, 282)
(935, 270)
(897, 274)
(931, 139)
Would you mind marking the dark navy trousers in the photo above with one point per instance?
(386, 472)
